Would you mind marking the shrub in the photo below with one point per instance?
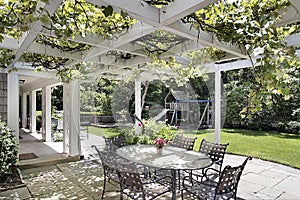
(8, 151)
(151, 131)
(293, 127)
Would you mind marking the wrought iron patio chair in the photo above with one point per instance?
(216, 152)
(183, 142)
(223, 188)
(109, 164)
(113, 143)
(136, 186)
(109, 145)
(119, 141)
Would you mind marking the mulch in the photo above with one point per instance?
(11, 181)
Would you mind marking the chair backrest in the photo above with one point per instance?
(129, 177)
(214, 150)
(107, 160)
(229, 179)
(109, 145)
(119, 141)
(184, 142)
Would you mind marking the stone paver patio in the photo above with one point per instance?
(83, 179)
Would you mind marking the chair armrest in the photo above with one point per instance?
(193, 181)
(163, 180)
(210, 174)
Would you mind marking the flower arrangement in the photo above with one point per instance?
(159, 143)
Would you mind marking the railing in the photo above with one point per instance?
(97, 119)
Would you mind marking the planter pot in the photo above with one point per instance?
(159, 151)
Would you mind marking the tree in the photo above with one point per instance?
(252, 24)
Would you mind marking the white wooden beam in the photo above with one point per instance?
(138, 104)
(32, 110)
(205, 38)
(24, 110)
(28, 37)
(108, 60)
(138, 30)
(13, 103)
(91, 39)
(177, 28)
(290, 15)
(22, 70)
(38, 84)
(137, 61)
(137, 9)
(9, 43)
(46, 113)
(179, 9)
(236, 65)
(47, 50)
(217, 102)
(293, 40)
(295, 3)
(71, 120)
(13, 44)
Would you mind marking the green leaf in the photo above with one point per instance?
(108, 11)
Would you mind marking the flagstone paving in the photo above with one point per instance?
(83, 179)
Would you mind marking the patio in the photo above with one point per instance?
(83, 179)
(118, 58)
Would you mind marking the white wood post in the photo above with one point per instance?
(66, 116)
(32, 106)
(13, 103)
(24, 110)
(217, 106)
(71, 103)
(138, 104)
(46, 113)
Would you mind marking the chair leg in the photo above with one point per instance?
(121, 195)
(104, 184)
(181, 194)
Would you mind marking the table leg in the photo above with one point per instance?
(173, 172)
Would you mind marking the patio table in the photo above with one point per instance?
(172, 158)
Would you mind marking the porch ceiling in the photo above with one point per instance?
(150, 19)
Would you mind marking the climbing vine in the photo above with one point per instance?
(62, 45)
(72, 19)
(158, 2)
(77, 17)
(252, 24)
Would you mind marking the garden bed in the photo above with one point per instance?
(11, 181)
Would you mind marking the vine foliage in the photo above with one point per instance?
(252, 24)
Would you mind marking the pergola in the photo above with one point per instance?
(102, 53)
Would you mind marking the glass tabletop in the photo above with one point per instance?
(171, 157)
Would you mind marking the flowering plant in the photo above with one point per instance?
(159, 142)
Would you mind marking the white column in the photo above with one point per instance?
(138, 104)
(32, 107)
(217, 106)
(24, 110)
(13, 103)
(66, 116)
(46, 113)
(71, 103)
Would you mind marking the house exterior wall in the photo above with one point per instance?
(3, 97)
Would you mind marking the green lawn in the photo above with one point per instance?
(278, 147)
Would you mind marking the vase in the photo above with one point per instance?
(159, 151)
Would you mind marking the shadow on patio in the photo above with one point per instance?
(35, 152)
(84, 179)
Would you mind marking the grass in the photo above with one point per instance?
(108, 132)
(277, 147)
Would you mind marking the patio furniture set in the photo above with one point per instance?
(139, 172)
